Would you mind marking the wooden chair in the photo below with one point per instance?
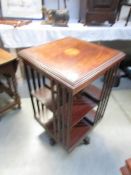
(8, 85)
(127, 4)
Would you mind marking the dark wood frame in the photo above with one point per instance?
(89, 13)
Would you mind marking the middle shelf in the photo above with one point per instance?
(82, 104)
(82, 117)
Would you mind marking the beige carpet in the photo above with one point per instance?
(25, 149)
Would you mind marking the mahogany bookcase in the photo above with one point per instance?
(60, 77)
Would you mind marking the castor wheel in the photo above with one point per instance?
(116, 81)
(86, 141)
(128, 72)
(52, 142)
(19, 106)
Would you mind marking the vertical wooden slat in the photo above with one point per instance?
(69, 117)
(53, 108)
(58, 114)
(40, 85)
(39, 79)
(29, 86)
(103, 96)
(108, 83)
(35, 87)
(111, 82)
(63, 113)
(106, 93)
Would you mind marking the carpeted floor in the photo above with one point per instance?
(25, 148)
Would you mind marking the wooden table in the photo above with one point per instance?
(8, 65)
(60, 76)
(14, 22)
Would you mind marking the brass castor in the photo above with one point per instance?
(86, 141)
(52, 142)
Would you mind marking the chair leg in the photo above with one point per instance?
(128, 17)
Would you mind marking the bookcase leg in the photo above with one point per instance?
(86, 141)
(52, 142)
(106, 90)
(29, 86)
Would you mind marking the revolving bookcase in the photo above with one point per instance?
(60, 78)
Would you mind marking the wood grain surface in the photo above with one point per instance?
(14, 22)
(5, 57)
(71, 61)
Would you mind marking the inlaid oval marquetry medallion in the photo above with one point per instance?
(72, 52)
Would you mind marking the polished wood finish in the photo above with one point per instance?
(69, 108)
(93, 92)
(125, 171)
(71, 61)
(8, 65)
(81, 106)
(14, 22)
(44, 95)
(5, 57)
(78, 133)
(128, 162)
(98, 11)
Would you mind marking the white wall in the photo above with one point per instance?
(21, 8)
(17, 11)
(72, 5)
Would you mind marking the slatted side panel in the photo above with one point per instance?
(106, 90)
(58, 124)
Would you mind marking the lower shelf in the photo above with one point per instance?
(77, 133)
(90, 117)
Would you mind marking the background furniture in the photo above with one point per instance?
(35, 33)
(127, 4)
(60, 76)
(8, 65)
(98, 11)
(14, 22)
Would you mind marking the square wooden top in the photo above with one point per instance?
(5, 57)
(71, 61)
